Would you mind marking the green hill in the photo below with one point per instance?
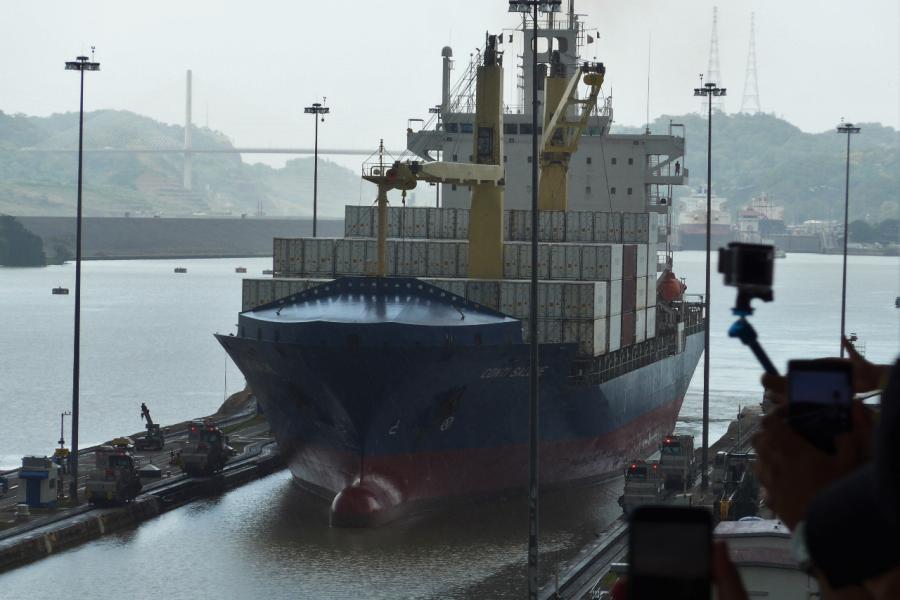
(43, 183)
(804, 172)
(753, 154)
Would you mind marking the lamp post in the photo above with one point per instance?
(82, 64)
(709, 90)
(533, 7)
(849, 129)
(316, 109)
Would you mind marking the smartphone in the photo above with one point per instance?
(820, 394)
(670, 553)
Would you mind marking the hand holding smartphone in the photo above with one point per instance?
(820, 394)
(670, 553)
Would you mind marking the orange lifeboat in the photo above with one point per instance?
(670, 288)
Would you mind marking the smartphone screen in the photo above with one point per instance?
(670, 553)
(819, 397)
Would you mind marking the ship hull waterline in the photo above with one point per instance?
(385, 432)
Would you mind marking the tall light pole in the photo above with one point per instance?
(318, 108)
(849, 129)
(709, 90)
(82, 64)
(533, 7)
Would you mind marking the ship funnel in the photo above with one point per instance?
(447, 55)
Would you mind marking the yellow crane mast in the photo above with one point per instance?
(562, 133)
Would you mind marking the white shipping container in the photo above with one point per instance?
(614, 227)
(585, 226)
(642, 227)
(342, 252)
(651, 292)
(615, 333)
(558, 226)
(358, 257)
(615, 261)
(651, 322)
(601, 233)
(454, 286)
(595, 262)
(449, 263)
(653, 232)
(433, 259)
(412, 257)
(641, 260)
(640, 293)
(615, 297)
(510, 261)
(462, 223)
(589, 334)
(406, 216)
(573, 226)
(420, 222)
(434, 223)
(462, 259)
(518, 225)
(629, 227)
(279, 255)
(550, 299)
(484, 292)
(550, 331)
(640, 325)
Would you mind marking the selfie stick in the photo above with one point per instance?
(743, 330)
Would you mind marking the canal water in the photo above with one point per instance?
(147, 336)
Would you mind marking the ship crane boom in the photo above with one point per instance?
(561, 135)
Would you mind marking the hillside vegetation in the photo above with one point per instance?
(753, 154)
(43, 183)
(804, 172)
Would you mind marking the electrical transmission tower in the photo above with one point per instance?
(712, 71)
(750, 102)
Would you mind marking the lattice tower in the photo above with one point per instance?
(750, 101)
(712, 70)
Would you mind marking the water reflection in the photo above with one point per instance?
(271, 539)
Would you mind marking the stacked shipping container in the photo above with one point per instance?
(597, 269)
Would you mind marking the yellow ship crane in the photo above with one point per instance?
(562, 133)
(484, 176)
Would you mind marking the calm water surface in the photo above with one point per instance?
(147, 336)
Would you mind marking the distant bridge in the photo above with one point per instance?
(188, 149)
(333, 151)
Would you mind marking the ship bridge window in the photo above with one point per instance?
(525, 129)
(465, 128)
(612, 161)
(612, 190)
(630, 161)
(588, 160)
(510, 128)
(629, 191)
(451, 127)
(587, 190)
(455, 158)
(529, 159)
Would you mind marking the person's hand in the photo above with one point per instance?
(866, 376)
(792, 470)
(725, 577)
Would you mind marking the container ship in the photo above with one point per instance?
(393, 363)
(691, 222)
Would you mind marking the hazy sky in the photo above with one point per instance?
(257, 64)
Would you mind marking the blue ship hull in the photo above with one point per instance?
(383, 430)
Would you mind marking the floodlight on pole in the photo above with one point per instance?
(318, 108)
(82, 64)
(709, 89)
(533, 7)
(849, 129)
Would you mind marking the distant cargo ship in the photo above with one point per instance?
(393, 364)
(691, 222)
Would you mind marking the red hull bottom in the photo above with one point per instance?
(369, 491)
